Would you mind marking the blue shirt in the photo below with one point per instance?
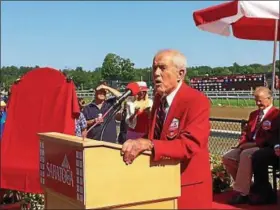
(91, 111)
(3, 116)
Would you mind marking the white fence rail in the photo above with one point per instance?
(210, 94)
(233, 95)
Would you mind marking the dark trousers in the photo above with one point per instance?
(261, 159)
(123, 129)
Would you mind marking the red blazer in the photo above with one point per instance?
(185, 137)
(267, 134)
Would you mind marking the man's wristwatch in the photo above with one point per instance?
(151, 146)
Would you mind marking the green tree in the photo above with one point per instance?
(96, 77)
(127, 69)
(111, 67)
(116, 68)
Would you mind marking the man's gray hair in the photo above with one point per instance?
(264, 90)
(179, 59)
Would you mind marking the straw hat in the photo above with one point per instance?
(2, 103)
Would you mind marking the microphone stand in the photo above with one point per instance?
(107, 121)
(113, 107)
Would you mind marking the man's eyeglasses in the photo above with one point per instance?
(262, 100)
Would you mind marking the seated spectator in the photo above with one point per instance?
(262, 192)
(138, 112)
(260, 132)
(3, 116)
(81, 123)
(94, 112)
(277, 150)
(82, 103)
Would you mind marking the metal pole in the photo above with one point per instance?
(274, 55)
(149, 74)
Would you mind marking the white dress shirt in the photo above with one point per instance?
(170, 98)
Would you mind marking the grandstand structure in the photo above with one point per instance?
(231, 85)
(246, 82)
(227, 88)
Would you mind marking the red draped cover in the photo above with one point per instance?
(42, 101)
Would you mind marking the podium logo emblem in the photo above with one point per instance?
(65, 163)
(61, 173)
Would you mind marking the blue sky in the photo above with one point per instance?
(71, 34)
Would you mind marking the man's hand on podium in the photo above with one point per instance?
(134, 147)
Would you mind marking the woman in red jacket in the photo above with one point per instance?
(138, 113)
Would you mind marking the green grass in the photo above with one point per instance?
(238, 102)
(226, 102)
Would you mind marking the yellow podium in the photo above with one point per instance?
(89, 174)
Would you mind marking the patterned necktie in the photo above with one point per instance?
(259, 120)
(160, 119)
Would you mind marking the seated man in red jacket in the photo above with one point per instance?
(262, 192)
(179, 129)
(261, 131)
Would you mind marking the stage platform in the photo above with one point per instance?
(220, 202)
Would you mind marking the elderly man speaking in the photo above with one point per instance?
(179, 130)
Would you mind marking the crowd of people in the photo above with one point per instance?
(133, 115)
(176, 125)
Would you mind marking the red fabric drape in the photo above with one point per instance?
(42, 101)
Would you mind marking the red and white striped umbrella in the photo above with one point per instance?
(252, 20)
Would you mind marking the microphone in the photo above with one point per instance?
(132, 89)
